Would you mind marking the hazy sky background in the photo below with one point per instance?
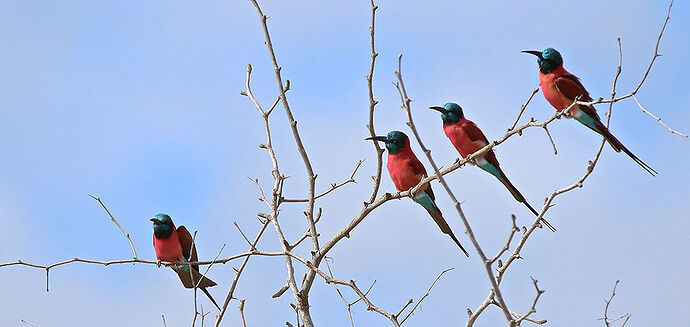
(138, 103)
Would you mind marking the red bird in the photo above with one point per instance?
(560, 89)
(468, 139)
(406, 171)
(175, 245)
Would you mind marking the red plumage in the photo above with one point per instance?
(561, 88)
(179, 247)
(406, 170)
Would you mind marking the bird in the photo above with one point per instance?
(175, 245)
(468, 139)
(561, 88)
(406, 171)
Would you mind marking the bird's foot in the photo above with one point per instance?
(158, 263)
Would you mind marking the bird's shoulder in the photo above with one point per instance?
(571, 87)
(473, 132)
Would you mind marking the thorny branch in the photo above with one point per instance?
(405, 104)
(319, 252)
(372, 104)
(532, 309)
(115, 221)
(334, 186)
(423, 296)
(522, 108)
(301, 296)
(30, 323)
(608, 321)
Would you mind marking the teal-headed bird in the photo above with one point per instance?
(407, 171)
(175, 245)
(560, 88)
(468, 139)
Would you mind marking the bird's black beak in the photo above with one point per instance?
(439, 109)
(377, 138)
(155, 221)
(533, 52)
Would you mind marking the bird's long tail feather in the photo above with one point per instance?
(436, 214)
(189, 280)
(211, 298)
(595, 124)
(618, 146)
(195, 279)
(548, 224)
(518, 196)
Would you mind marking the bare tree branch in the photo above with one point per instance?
(334, 186)
(118, 225)
(241, 308)
(523, 107)
(30, 323)
(372, 104)
(606, 319)
(533, 308)
(468, 230)
(423, 296)
(658, 119)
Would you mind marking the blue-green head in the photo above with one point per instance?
(163, 225)
(549, 59)
(396, 141)
(451, 113)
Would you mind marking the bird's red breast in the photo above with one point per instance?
(168, 249)
(466, 137)
(405, 169)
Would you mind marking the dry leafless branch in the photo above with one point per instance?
(608, 321)
(115, 221)
(319, 252)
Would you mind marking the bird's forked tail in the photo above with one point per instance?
(189, 280)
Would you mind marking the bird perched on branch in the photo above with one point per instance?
(561, 88)
(177, 245)
(406, 172)
(468, 139)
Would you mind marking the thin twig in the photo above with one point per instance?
(372, 104)
(514, 229)
(553, 144)
(658, 119)
(425, 295)
(244, 236)
(533, 308)
(342, 297)
(522, 108)
(606, 318)
(333, 187)
(118, 225)
(306, 234)
(191, 277)
(241, 308)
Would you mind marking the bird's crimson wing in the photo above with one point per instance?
(186, 241)
(477, 137)
(474, 133)
(571, 87)
(419, 170)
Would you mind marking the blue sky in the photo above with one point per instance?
(138, 103)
